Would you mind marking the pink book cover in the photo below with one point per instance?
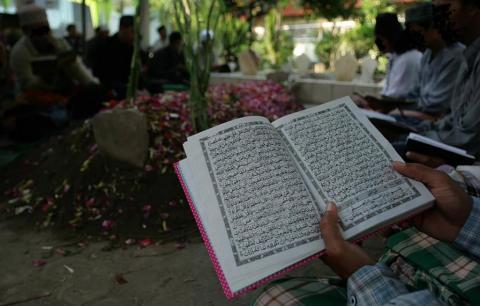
(218, 269)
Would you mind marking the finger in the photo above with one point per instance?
(420, 158)
(425, 159)
(420, 173)
(329, 228)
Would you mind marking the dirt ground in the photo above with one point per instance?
(96, 275)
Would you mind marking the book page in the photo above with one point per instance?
(348, 161)
(258, 212)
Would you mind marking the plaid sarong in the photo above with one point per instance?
(420, 261)
(423, 262)
(303, 291)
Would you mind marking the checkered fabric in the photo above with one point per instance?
(423, 262)
(416, 269)
(301, 291)
(469, 237)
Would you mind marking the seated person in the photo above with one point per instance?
(50, 77)
(74, 39)
(461, 126)
(204, 54)
(404, 60)
(438, 68)
(94, 45)
(446, 245)
(112, 60)
(44, 64)
(162, 41)
(168, 64)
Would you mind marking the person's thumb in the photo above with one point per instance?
(330, 231)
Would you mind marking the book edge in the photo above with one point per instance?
(448, 148)
(206, 241)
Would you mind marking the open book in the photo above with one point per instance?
(258, 189)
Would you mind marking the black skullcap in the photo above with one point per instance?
(387, 25)
(422, 12)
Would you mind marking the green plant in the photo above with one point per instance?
(104, 11)
(326, 47)
(360, 40)
(276, 47)
(234, 35)
(251, 9)
(193, 16)
(165, 11)
(6, 4)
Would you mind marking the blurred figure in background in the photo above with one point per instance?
(162, 41)
(404, 59)
(50, 78)
(207, 47)
(113, 59)
(438, 68)
(43, 62)
(459, 19)
(94, 45)
(74, 39)
(404, 62)
(168, 64)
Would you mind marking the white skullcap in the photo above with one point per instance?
(32, 14)
(206, 34)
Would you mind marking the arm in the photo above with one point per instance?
(76, 69)
(461, 127)
(469, 237)
(20, 64)
(368, 284)
(452, 219)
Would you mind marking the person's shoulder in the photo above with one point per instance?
(20, 44)
(426, 55)
(455, 49)
(412, 56)
(20, 49)
(415, 54)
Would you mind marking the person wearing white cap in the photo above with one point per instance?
(459, 19)
(207, 40)
(438, 67)
(61, 68)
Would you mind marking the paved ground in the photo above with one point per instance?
(156, 275)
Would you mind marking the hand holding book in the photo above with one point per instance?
(452, 204)
(342, 256)
(443, 221)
